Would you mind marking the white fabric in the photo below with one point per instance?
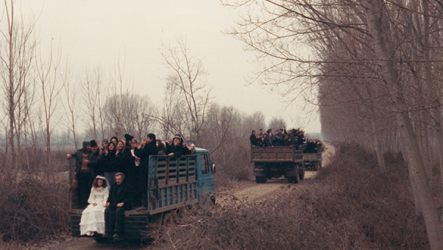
(93, 217)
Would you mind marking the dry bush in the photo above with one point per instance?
(348, 206)
(32, 209)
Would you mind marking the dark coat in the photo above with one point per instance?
(79, 159)
(145, 152)
(124, 196)
(253, 139)
(178, 150)
(127, 162)
(110, 162)
(95, 163)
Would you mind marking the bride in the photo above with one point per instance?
(93, 217)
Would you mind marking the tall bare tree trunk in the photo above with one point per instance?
(374, 12)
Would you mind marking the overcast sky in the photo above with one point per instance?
(96, 33)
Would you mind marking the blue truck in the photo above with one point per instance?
(173, 182)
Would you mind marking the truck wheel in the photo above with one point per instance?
(316, 166)
(260, 179)
(302, 173)
(296, 178)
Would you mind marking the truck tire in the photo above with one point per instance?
(296, 177)
(316, 166)
(302, 173)
(260, 179)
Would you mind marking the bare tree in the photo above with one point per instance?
(92, 90)
(130, 114)
(194, 91)
(70, 104)
(48, 76)
(16, 58)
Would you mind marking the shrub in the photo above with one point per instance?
(32, 209)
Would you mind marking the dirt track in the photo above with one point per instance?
(249, 192)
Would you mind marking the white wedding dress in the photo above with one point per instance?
(93, 217)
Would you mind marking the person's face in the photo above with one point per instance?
(118, 180)
(260, 131)
(104, 144)
(157, 143)
(149, 140)
(100, 182)
(120, 145)
(111, 146)
(88, 148)
(114, 141)
(253, 132)
(94, 149)
(176, 141)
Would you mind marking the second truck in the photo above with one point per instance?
(275, 162)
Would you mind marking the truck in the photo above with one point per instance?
(313, 160)
(274, 162)
(173, 182)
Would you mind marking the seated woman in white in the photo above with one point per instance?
(93, 217)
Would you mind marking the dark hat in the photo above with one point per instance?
(105, 140)
(128, 137)
(93, 143)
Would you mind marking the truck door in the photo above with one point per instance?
(205, 178)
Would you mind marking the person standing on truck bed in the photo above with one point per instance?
(118, 202)
(253, 138)
(94, 159)
(128, 165)
(269, 137)
(83, 172)
(109, 161)
(264, 142)
(278, 139)
(178, 148)
(143, 152)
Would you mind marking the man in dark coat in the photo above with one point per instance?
(83, 172)
(127, 164)
(119, 201)
(143, 152)
(253, 138)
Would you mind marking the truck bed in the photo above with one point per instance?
(276, 154)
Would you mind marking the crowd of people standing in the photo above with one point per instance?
(120, 169)
(282, 137)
